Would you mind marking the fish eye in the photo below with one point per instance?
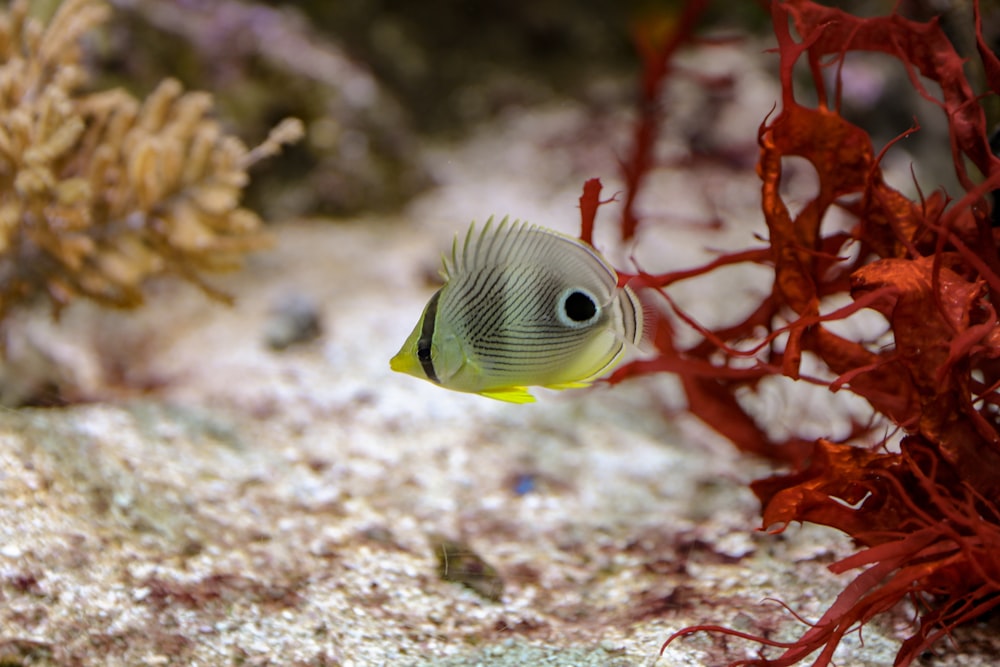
(577, 308)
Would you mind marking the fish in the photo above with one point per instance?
(522, 306)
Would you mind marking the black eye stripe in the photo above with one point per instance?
(427, 337)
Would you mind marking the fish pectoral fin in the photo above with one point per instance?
(567, 385)
(510, 394)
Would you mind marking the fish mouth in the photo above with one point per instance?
(405, 363)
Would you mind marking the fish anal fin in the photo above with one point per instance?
(510, 395)
(567, 385)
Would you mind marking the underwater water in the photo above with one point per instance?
(196, 483)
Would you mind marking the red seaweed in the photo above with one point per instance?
(926, 517)
(657, 39)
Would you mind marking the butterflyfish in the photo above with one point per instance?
(522, 306)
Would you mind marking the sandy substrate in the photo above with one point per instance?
(262, 507)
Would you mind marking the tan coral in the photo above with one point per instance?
(99, 191)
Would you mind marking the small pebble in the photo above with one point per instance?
(11, 551)
(294, 319)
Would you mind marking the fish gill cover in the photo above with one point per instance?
(925, 515)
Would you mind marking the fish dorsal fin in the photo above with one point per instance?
(511, 242)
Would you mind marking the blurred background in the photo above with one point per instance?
(374, 78)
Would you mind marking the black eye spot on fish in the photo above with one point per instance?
(577, 308)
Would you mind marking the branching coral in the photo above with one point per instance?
(100, 191)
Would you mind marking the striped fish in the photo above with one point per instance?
(521, 306)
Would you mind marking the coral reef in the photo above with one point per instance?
(276, 508)
(99, 191)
